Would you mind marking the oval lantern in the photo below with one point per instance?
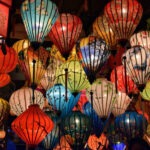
(38, 18)
(65, 33)
(57, 99)
(4, 80)
(92, 53)
(131, 124)
(22, 98)
(119, 146)
(123, 17)
(122, 79)
(141, 38)
(9, 60)
(2, 134)
(32, 125)
(76, 128)
(104, 31)
(137, 62)
(145, 94)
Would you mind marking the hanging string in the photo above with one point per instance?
(33, 83)
(92, 114)
(66, 86)
(125, 74)
(116, 78)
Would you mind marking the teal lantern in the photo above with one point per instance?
(38, 17)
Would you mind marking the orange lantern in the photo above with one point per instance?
(4, 79)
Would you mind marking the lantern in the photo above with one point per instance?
(141, 38)
(4, 80)
(22, 98)
(76, 128)
(102, 28)
(121, 103)
(8, 59)
(38, 17)
(119, 146)
(123, 82)
(92, 53)
(145, 94)
(2, 134)
(4, 111)
(104, 96)
(56, 98)
(123, 17)
(32, 125)
(76, 79)
(131, 124)
(65, 33)
(137, 62)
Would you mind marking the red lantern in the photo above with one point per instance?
(4, 79)
(32, 125)
(8, 59)
(65, 33)
(123, 17)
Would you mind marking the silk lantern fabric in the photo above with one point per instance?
(4, 80)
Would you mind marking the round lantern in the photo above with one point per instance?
(8, 61)
(122, 80)
(57, 99)
(32, 125)
(4, 80)
(76, 128)
(103, 29)
(2, 134)
(121, 103)
(4, 111)
(22, 98)
(123, 17)
(104, 96)
(131, 124)
(141, 38)
(119, 146)
(92, 53)
(145, 94)
(65, 33)
(76, 79)
(137, 62)
(38, 17)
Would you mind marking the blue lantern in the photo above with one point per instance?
(38, 17)
(57, 99)
(131, 124)
(118, 146)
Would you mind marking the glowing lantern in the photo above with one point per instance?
(103, 29)
(121, 80)
(56, 98)
(119, 146)
(4, 111)
(123, 17)
(104, 96)
(8, 59)
(2, 134)
(38, 18)
(76, 79)
(76, 128)
(22, 98)
(131, 124)
(141, 38)
(65, 33)
(137, 62)
(92, 53)
(32, 125)
(121, 103)
(4, 80)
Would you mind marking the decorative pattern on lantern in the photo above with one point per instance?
(123, 17)
(4, 111)
(4, 80)
(32, 125)
(38, 18)
(121, 103)
(104, 96)
(141, 38)
(8, 59)
(121, 78)
(65, 33)
(56, 98)
(102, 28)
(76, 79)
(76, 128)
(137, 63)
(131, 124)
(92, 53)
(22, 98)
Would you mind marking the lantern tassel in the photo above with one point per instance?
(66, 77)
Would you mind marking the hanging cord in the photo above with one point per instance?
(91, 95)
(116, 78)
(33, 83)
(66, 86)
(125, 73)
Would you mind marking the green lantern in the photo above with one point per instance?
(145, 94)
